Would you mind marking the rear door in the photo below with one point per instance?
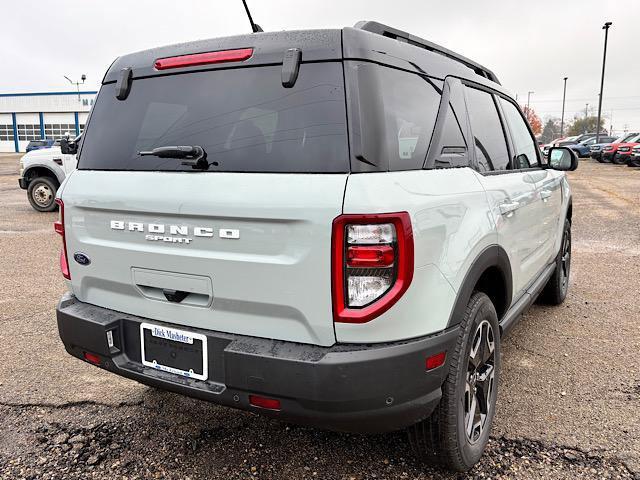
(511, 193)
(247, 242)
(548, 183)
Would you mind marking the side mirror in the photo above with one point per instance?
(68, 147)
(563, 159)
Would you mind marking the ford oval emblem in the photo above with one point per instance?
(81, 258)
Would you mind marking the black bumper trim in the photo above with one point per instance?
(23, 183)
(354, 388)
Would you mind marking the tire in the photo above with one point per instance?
(555, 291)
(42, 194)
(443, 438)
(600, 159)
(619, 160)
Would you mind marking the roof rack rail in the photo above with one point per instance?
(390, 32)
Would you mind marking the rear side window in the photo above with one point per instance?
(244, 118)
(396, 112)
(488, 136)
(525, 155)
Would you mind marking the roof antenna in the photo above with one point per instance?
(254, 26)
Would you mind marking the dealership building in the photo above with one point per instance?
(33, 116)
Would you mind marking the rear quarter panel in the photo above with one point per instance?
(451, 226)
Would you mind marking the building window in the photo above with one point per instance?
(6, 133)
(28, 132)
(59, 130)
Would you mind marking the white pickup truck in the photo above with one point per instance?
(41, 173)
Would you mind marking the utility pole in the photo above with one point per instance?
(529, 99)
(564, 96)
(605, 27)
(586, 111)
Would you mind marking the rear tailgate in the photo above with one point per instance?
(243, 246)
(264, 271)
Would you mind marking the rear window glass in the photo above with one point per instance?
(243, 118)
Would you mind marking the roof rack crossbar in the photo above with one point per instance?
(401, 36)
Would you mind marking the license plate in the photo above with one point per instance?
(175, 351)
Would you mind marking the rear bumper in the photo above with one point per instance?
(355, 388)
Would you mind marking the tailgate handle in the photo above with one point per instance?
(175, 296)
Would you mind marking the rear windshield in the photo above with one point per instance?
(244, 118)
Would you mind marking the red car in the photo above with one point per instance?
(619, 153)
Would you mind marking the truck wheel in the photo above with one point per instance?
(457, 432)
(42, 194)
(555, 291)
(619, 159)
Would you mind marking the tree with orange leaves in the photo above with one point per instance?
(533, 119)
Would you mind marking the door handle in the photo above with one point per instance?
(508, 208)
(545, 194)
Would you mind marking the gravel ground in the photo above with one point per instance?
(569, 403)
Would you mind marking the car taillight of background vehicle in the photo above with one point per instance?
(59, 228)
(372, 264)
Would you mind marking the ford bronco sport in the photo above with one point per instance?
(331, 227)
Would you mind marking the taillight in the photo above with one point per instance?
(372, 264)
(59, 228)
(206, 58)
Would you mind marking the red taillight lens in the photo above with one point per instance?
(59, 228)
(207, 58)
(92, 358)
(372, 264)
(435, 361)
(264, 402)
(371, 256)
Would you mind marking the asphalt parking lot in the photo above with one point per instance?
(569, 401)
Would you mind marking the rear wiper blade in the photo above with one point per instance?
(195, 155)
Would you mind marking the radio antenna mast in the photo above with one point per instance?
(254, 26)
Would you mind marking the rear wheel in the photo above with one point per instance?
(555, 291)
(42, 194)
(457, 432)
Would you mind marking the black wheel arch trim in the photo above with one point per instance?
(30, 168)
(492, 256)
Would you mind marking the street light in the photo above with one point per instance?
(605, 27)
(77, 84)
(564, 96)
(529, 98)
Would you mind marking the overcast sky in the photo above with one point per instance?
(530, 46)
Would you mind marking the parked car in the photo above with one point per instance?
(596, 149)
(40, 144)
(618, 153)
(553, 143)
(41, 173)
(583, 149)
(634, 160)
(224, 247)
(565, 142)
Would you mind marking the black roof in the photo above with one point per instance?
(370, 41)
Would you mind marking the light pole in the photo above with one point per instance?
(586, 110)
(77, 84)
(564, 96)
(605, 27)
(529, 99)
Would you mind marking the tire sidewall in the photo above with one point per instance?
(566, 231)
(33, 185)
(471, 453)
